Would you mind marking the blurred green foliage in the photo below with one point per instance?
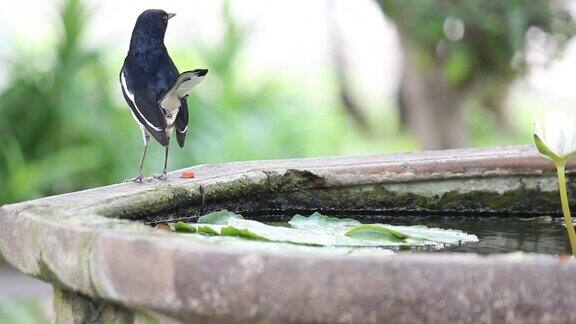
(480, 40)
(56, 118)
(64, 125)
(22, 311)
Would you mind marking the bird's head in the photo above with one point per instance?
(150, 27)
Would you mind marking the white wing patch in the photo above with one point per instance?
(131, 97)
(189, 82)
(185, 82)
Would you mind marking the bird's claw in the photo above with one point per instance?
(162, 176)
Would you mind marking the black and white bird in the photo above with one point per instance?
(152, 86)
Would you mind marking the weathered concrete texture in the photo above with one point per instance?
(70, 307)
(513, 179)
(85, 244)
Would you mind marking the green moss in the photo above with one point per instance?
(71, 307)
(400, 198)
(46, 274)
(296, 190)
(141, 204)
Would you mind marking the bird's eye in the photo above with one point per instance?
(165, 18)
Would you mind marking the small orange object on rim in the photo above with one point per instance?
(187, 174)
(563, 257)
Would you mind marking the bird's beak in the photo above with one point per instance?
(170, 15)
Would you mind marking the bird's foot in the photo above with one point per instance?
(137, 178)
(162, 176)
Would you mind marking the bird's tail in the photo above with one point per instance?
(181, 137)
(181, 122)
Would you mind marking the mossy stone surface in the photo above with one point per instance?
(105, 262)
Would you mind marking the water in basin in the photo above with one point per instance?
(543, 234)
(502, 234)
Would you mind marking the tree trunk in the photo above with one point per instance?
(432, 107)
(341, 66)
(493, 98)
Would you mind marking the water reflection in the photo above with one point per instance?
(501, 235)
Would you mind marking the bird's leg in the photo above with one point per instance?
(163, 175)
(139, 175)
(164, 171)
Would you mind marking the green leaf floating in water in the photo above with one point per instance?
(220, 217)
(193, 228)
(318, 220)
(320, 230)
(376, 232)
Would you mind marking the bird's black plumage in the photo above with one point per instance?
(148, 72)
(149, 75)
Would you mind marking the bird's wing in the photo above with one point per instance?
(181, 122)
(183, 84)
(145, 109)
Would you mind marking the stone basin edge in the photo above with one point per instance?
(75, 242)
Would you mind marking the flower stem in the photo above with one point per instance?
(560, 168)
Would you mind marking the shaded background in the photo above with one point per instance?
(287, 79)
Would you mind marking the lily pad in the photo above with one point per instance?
(317, 220)
(219, 217)
(376, 232)
(321, 230)
(252, 245)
